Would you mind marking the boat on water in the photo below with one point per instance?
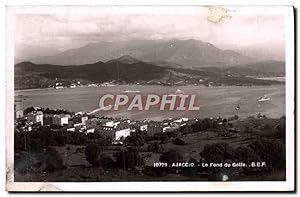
(178, 91)
(72, 86)
(264, 98)
(131, 91)
(58, 85)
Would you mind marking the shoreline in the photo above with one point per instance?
(191, 85)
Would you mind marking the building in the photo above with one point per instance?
(71, 129)
(139, 126)
(180, 120)
(35, 117)
(115, 132)
(154, 128)
(92, 130)
(82, 119)
(143, 127)
(48, 119)
(109, 123)
(18, 109)
(61, 119)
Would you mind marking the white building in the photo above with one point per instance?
(60, 120)
(80, 119)
(35, 117)
(71, 129)
(18, 108)
(92, 130)
(181, 120)
(116, 131)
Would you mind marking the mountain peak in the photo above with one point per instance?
(126, 59)
(188, 53)
(25, 63)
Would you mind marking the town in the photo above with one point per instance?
(114, 130)
(54, 144)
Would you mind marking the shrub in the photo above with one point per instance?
(171, 156)
(190, 171)
(281, 127)
(155, 147)
(22, 141)
(61, 140)
(79, 150)
(106, 161)
(53, 160)
(134, 140)
(217, 152)
(163, 137)
(129, 158)
(205, 124)
(270, 151)
(186, 129)
(179, 141)
(154, 171)
(92, 154)
(36, 145)
(245, 154)
(172, 133)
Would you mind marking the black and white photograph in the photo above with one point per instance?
(150, 98)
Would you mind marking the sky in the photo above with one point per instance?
(71, 27)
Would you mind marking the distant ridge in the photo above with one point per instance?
(128, 70)
(126, 59)
(187, 53)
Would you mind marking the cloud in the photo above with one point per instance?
(69, 29)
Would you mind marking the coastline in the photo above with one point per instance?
(150, 85)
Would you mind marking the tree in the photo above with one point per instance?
(270, 151)
(155, 147)
(178, 141)
(172, 156)
(53, 161)
(281, 127)
(28, 110)
(217, 152)
(129, 158)
(155, 172)
(92, 154)
(134, 140)
(245, 154)
(192, 170)
(36, 145)
(95, 156)
(22, 141)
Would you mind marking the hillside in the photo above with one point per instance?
(260, 69)
(35, 75)
(125, 70)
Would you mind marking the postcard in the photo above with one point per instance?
(150, 98)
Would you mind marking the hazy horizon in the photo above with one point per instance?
(241, 29)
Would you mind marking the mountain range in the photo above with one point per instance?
(174, 53)
(142, 61)
(129, 70)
